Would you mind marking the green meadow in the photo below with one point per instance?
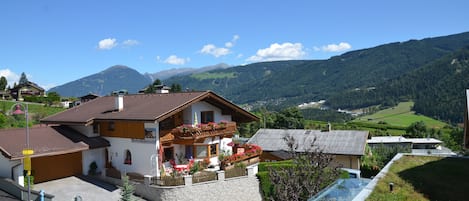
(400, 115)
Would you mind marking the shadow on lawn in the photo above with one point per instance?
(445, 179)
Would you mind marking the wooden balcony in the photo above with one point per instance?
(187, 133)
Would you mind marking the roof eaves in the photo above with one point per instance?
(181, 107)
(232, 105)
(58, 152)
(65, 122)
(5, 153)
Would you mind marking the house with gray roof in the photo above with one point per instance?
(347, 146)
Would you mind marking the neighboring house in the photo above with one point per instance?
(411, 145)
(83, 99)
(159, 89)
(347, 146)
(58, 152)
(147, 130)
(88, 97)
(26, 89)
(391, 141)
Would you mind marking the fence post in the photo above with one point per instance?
(221, 175)
(188, 180)
(147, 179)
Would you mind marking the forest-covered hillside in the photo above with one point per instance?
(340, 80)
(438, 89)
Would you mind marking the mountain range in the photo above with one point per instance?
(337, 80)
(114, 78)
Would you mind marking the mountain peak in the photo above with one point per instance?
(118, 67)
(113, 78)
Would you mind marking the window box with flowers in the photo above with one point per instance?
(252, 151)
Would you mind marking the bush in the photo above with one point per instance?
(93, 168)
(31, 181)
(264, 166)
(195, 168)
(267, 188)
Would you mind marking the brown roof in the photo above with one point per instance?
(145, 107)
(45, 141)
(75, 136)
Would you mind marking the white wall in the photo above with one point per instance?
(6, 166)
(140, 150)
(156, 143)
(96, 155)
(224, 145)
(196, 108)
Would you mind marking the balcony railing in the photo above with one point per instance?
(188, 132)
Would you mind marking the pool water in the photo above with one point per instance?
(342, 190)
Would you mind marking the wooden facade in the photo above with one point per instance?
(122, 129)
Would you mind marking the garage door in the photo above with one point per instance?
(54, 167)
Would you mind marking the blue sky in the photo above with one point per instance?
(56, 41)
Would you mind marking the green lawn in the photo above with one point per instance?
(425, 178)
(400, 115)
(32, 107)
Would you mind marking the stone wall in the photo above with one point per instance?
(232, 189)
(240, 188)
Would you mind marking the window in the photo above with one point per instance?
(128, 157)
(201, 151)
(149, 133)
(206, 116)
(95, 128)
(213, 150)
(111, 126)
(189, 151)
(168, 153)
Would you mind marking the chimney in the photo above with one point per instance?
(119, 102)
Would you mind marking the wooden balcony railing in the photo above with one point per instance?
(188, 132)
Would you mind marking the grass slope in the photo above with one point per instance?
(424, 178)
(34, 108)
(401, 115)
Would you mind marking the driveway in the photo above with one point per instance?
(88, 189)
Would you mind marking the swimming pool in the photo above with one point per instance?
(342, 190)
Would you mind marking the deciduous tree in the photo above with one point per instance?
(306, 177)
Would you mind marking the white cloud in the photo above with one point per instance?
(235, 38)
(285, 51)
(219, 51)
(11, 76)
(107, 44)
(130, 42)
(228, 44)
(174, 60)
(336, 47)
(215, 51)
(231, 43)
